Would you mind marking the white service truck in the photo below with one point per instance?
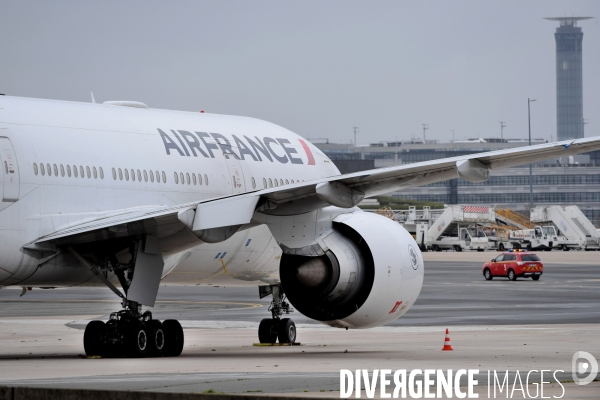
(575, 231)
(458, 228)
(538, 238)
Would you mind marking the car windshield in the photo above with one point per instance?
(530, 257)
(549, 230)
(476, 233)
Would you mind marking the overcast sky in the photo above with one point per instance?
(318, 68)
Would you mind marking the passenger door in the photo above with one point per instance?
(10, 171)
(496, 266)
(510, 262)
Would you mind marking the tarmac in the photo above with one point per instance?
(497, 326)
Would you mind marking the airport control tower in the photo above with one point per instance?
(569, 91)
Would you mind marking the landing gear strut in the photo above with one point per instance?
(271, 329)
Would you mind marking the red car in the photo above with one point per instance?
(514, 264)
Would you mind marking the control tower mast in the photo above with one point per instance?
(569, 79)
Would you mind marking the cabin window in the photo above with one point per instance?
(164, 176)
(270, 183)
(114, 173)
(132, 175)
(81, 171)
(62, 170)
(35, 169)
(205, 179)
(264, 183)
(42, 169)
(89, 173)
(95, 171)
(126, 174)
(120, 174)
(75, 171)
(176, 177)
(276, 183)
(253, 183)
(187, 178)
(68, 170)
(48, 167)
(151, 176)
(287, 182)
(194, 179)
(145, 176)
(55, 170)
(200, 179)
(101, 173)
(292, 181)
(182, 178)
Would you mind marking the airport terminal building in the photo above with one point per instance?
(573, 180)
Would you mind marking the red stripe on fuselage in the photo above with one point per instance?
(309, 154)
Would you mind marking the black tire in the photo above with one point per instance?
(511, 275)
(174, 338)
(267, 331)
(529, 248)
(487, 274)
(457, 248)
(535, 277)
(286, 331)
(156, 338)
(501, 247)
(135, 339)
(93, 338)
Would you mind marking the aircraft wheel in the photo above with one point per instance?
(93, 337)
(267, 331)
(156, 338)
(286, 331)
(488, 274)
(135, 339)
(174, 338)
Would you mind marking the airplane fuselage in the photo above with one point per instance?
(67, 163)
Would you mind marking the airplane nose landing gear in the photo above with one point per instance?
(271, 329)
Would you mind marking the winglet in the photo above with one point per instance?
(93, 99)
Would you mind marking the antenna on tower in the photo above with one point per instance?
(425, 127)
(502, 126)
(355, 132)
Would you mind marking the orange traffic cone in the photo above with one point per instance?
(447, 345)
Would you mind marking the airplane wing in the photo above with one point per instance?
(343, 191)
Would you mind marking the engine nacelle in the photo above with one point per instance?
(369, 273)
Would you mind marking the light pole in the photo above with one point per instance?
(530, 169)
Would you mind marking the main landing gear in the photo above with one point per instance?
(271, 329)
(129, 333)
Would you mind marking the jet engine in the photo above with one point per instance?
(367, 271)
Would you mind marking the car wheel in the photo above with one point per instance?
(536, 277)
(488, 274)
(511, 275)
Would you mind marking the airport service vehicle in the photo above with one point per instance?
(575, 230)
(457, 229)
(124, 196)
(538, 238)
(514, 264)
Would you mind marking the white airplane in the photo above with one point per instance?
(120, 194)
